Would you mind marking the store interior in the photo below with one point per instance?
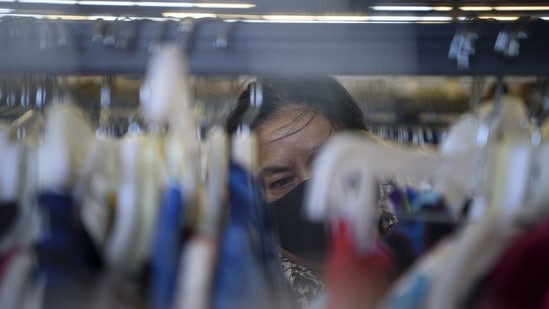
(120, 186)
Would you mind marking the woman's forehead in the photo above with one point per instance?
(291, 135)
(288, 121)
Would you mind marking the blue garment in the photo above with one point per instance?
(65, 252)
(247, 250)
(167, 245)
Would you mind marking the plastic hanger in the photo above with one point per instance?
(165, 99)
(244, 142)
(343, 181)
(30, 123)
(67, 141)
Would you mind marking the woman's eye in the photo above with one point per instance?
(281, 183)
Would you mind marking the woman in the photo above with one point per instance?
(296, 117)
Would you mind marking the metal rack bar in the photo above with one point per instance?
(280, 48)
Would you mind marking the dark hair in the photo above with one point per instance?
(323, 95)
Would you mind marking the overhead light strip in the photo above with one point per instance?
(188, 15)
(521, 8)
(476, 8)
(401, 8)
(166, 4)
(396, 18)
(416, 8)
(107, 3)
(212, 5)
(64, 2)
(500, 18)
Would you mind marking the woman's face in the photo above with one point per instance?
(288, 143)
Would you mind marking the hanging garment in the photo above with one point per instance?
(17, 287)
(65, 250)
(475, 250)
(412, 289)
(67, 260)
(355, 281)
(167, 248)
(520, 278)
(8, 216)
(424, 221)
(196, 268)
(240, 279)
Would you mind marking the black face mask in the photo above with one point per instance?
(299, 236)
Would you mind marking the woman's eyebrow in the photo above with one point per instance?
(270, 170)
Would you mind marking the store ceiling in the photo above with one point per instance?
(242, 9)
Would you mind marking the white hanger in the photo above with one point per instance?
(343, 179)
(165, 99)
(197, 261)
(244, 141)
(67, 141)
(30, 123)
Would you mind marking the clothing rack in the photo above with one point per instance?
(237, 47)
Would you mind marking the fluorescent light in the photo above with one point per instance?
(5, 11)
(296, 18)
(476, 8)
(24, 15)
(442, 8)
(386, 18)
(186, 15)
(224, 5)
(335, 18)
(166, 4)
(67, 17)
(210, 5)
(106, 3)
(7, 0)
(401, 8)
(500, 18)
(49, 1)
(521, 8)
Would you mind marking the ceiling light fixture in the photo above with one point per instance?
(343, 18)
(500, 18)
(210, 5)
(388, 18)
(106, 3)
(49, 1)
(224, 5)
(442, 8)
(521, 8)
(401, 8)
(289, 18)
(165, 4)
(188, 15)
(476, 8)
